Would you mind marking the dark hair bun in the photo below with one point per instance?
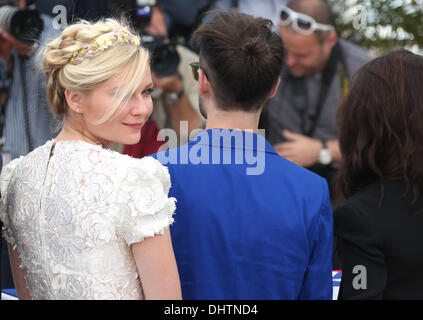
(253, 49)
(244, 57)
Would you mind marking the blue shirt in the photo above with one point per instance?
(263, 233)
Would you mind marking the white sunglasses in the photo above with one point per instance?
(301, 23)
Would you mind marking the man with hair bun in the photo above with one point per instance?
(249, 224)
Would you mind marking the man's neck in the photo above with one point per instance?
(326, 61)
(239, 120)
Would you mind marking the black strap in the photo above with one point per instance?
(5, 88)
(300, 98)
(25, 103)
(299, 88)
(234, 3)
(327, 77)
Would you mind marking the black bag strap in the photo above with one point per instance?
(24, 60)
(327, 78)
(5, 90)
(300, 98)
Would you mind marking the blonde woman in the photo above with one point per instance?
(85, 222)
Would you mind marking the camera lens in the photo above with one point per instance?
(24, 25)
(6, 15)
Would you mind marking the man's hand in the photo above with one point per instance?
(22, 48)
(167, 84)
(157, 24)
(183, 110)
(300, 149)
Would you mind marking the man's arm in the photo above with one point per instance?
(317, 283)
(182, 110)
(304, 150)
(333, 146)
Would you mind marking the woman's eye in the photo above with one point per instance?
(148, 92)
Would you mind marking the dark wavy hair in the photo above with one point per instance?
(381, 124)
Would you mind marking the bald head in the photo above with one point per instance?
(319, 10)
(308, 54)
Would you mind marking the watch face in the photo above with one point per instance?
(325, 157)
(171, 98)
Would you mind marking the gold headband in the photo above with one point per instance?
(102, 43)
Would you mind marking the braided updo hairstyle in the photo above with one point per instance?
(121, 57)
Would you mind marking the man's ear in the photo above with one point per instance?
(74, 100)
(331, 40)
(275, 88)
(204, 84)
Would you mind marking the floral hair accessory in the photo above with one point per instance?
(102, 43)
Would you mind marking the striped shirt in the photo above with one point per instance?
(28, 122)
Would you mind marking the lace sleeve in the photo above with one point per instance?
(144, 207)
(6, 176)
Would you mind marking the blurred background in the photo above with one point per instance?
(378, 25)
(388, 25)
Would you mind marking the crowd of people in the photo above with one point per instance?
(206, 150)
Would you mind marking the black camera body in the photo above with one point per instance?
(25, 25)
(141, 16)
(165, 58)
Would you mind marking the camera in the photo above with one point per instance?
(143, 12)
(25, 25)
(165, 58)
(138, 12)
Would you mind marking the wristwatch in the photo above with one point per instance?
(325, 155)
(172, 98)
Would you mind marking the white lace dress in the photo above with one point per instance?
(73, 209)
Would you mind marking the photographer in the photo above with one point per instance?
(25, 122)
(267, 9)
(175, 97)
(300, 119)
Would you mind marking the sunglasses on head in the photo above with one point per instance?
(301, 23)
(195, 67)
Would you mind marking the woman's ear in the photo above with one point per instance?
(74, 100)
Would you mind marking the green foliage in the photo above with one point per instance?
(381, 25)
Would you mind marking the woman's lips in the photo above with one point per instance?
(136, 126)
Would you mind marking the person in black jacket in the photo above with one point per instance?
(380, 225)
